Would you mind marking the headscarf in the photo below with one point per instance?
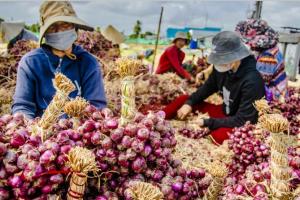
(257, 34)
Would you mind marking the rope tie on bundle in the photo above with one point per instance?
(218, 172)
(81, 161)
(127, 69)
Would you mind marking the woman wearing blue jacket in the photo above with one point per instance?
(34, 90)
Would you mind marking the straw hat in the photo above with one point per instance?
(59, 11)
(113, 35)
(181, 35)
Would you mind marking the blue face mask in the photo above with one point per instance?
(61, 40)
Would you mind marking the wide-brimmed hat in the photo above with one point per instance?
(59, 11)
(257, 33)
(227, 48)
(181, 35)
(10, 30)
(113, 35)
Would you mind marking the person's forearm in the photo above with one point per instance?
(227, 122)
(204, 91)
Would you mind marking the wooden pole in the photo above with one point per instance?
(157, 38)
(258, 9)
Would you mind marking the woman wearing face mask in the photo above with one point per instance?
(235, 77)
(57, 53)
(172, 58)
(262, 40)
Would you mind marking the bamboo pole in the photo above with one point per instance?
(157, 38)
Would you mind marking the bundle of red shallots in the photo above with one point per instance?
(249, 167)
(139, 151)
(290, 109)
(29, 168)
(9, 64)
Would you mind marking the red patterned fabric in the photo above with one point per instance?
(218, 135)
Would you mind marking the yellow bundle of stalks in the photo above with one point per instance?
(279, 142)
(75, 109)
(81, 161)
(127, 69)
(262, 106)
(218, 171)
(144, 191)
(64, 87)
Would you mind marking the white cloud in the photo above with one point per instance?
(124, 13)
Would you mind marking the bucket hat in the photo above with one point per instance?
(227, 48)
(181, 35)
(113, 35)
(59, 11)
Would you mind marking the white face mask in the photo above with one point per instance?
(61, 40)
(223, 68)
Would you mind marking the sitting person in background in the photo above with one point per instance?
(172, 58)
(12, 32)
(262, 40)
(116, 38)
(34, 90)
(236, 78)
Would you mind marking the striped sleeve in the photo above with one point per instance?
(267, 66)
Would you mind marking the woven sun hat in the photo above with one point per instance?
(59, 11)
(181, 35)
(113, 35)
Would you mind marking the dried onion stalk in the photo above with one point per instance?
(127, 69)
(64, 87)
(75, 109)
(218, 171)
(80, 161)
(144, 191)
(279, 142)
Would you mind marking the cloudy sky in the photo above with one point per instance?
(177, 13)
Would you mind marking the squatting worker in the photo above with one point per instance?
(172, 58)
(263, 40)
(34, 89)
(116, 38)
(14, 31)
(235, 77)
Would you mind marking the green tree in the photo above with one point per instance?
(137, 29)
(98, 29)
(189, 36)
(149, 33)
(1, 20)
(33, 27)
